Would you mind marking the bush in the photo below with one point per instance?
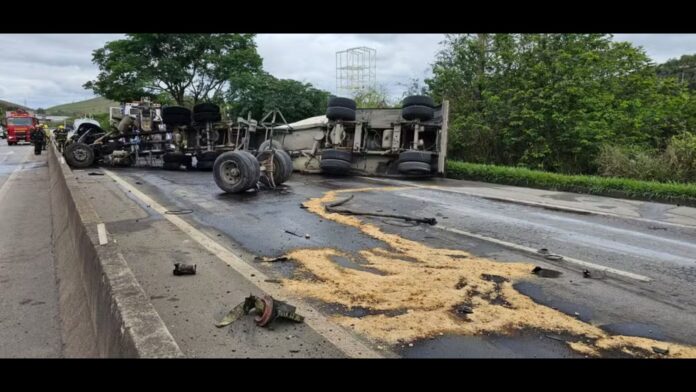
(610, 186)
(636, 163)
(681, 156)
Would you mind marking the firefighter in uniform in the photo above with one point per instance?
(47, 136)
(37, 137)
(61, 137)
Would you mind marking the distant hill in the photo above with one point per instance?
(7, 105)
(98, 105)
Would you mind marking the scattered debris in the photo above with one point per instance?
(95, 174)
(266, 308)
(548, 255)
(293, 233)
(178, 212)
(307, 236)
(554, 337)
(138, 183)
(586, 273)
(304, 207)
(661, 351)
(410, 344)
(545, 273)
(463, 309)
(294, 351)
(576, 314)
(270, 259)
(184, 269)
(331, 207)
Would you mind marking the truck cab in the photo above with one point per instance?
(19, 126)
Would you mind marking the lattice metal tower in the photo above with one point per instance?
(356, 69)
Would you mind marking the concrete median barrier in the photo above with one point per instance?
(104, 310)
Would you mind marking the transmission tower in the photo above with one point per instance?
(356, 69)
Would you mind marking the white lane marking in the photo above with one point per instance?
(6, 185)
(331, 332)
(528, 203)
(101, 230)
(62, 160)
(529, 250)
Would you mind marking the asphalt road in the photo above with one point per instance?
(257, 224)
(29, 317)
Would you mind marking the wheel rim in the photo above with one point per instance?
(231, 173)
(80, 154)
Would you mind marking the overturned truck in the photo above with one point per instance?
(410, 141)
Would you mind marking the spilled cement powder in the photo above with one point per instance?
(440, 291)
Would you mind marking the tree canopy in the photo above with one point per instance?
(550, 101)
(180, 65)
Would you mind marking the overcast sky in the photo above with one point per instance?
(49, 69)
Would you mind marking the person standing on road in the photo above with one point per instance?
(47, 136)
(37, 137)
(61, 137)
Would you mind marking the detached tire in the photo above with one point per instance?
(420, 100)
(414, 168)
(417, 112)
(342, 103)
(282, 165)
(233, 172)
(334, 166)
(340, 113)
(79, 155)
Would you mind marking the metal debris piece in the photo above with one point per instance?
(306, 236)
(545, 273)
(270, 259)
(178, 212)
(661, 351)
(586, 273)
(304, 207)
(184, 269)
(293, 233)
(266, 308)
(95, 174)
(548, 255)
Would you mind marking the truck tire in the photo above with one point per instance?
(206, 107)
(420, 100)
(414, 168)
(205, 117)
(233, 172)
(417, 112)
(176, 119)
(79, 155)
(335, 113)
(342, 103)
(337, 154)
(334, 166)
(254, 164)
(282, 165)
(176, 110)
(173, 157)
(267, 145)
(171, 165)
(416, 156)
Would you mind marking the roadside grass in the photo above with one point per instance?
(668, 192)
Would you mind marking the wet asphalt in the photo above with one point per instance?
(271, 223)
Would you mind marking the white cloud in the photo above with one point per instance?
(50, 69)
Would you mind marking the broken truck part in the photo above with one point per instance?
(184, 269)
(266, 308)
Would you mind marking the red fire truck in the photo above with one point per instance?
(19, 126)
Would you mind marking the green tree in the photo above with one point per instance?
(261, 92)
(550, 101)
(195, 66)
(683, 69)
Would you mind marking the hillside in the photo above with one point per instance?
(6, 105)
(98, 105)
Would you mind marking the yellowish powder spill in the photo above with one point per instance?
(429, 291)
